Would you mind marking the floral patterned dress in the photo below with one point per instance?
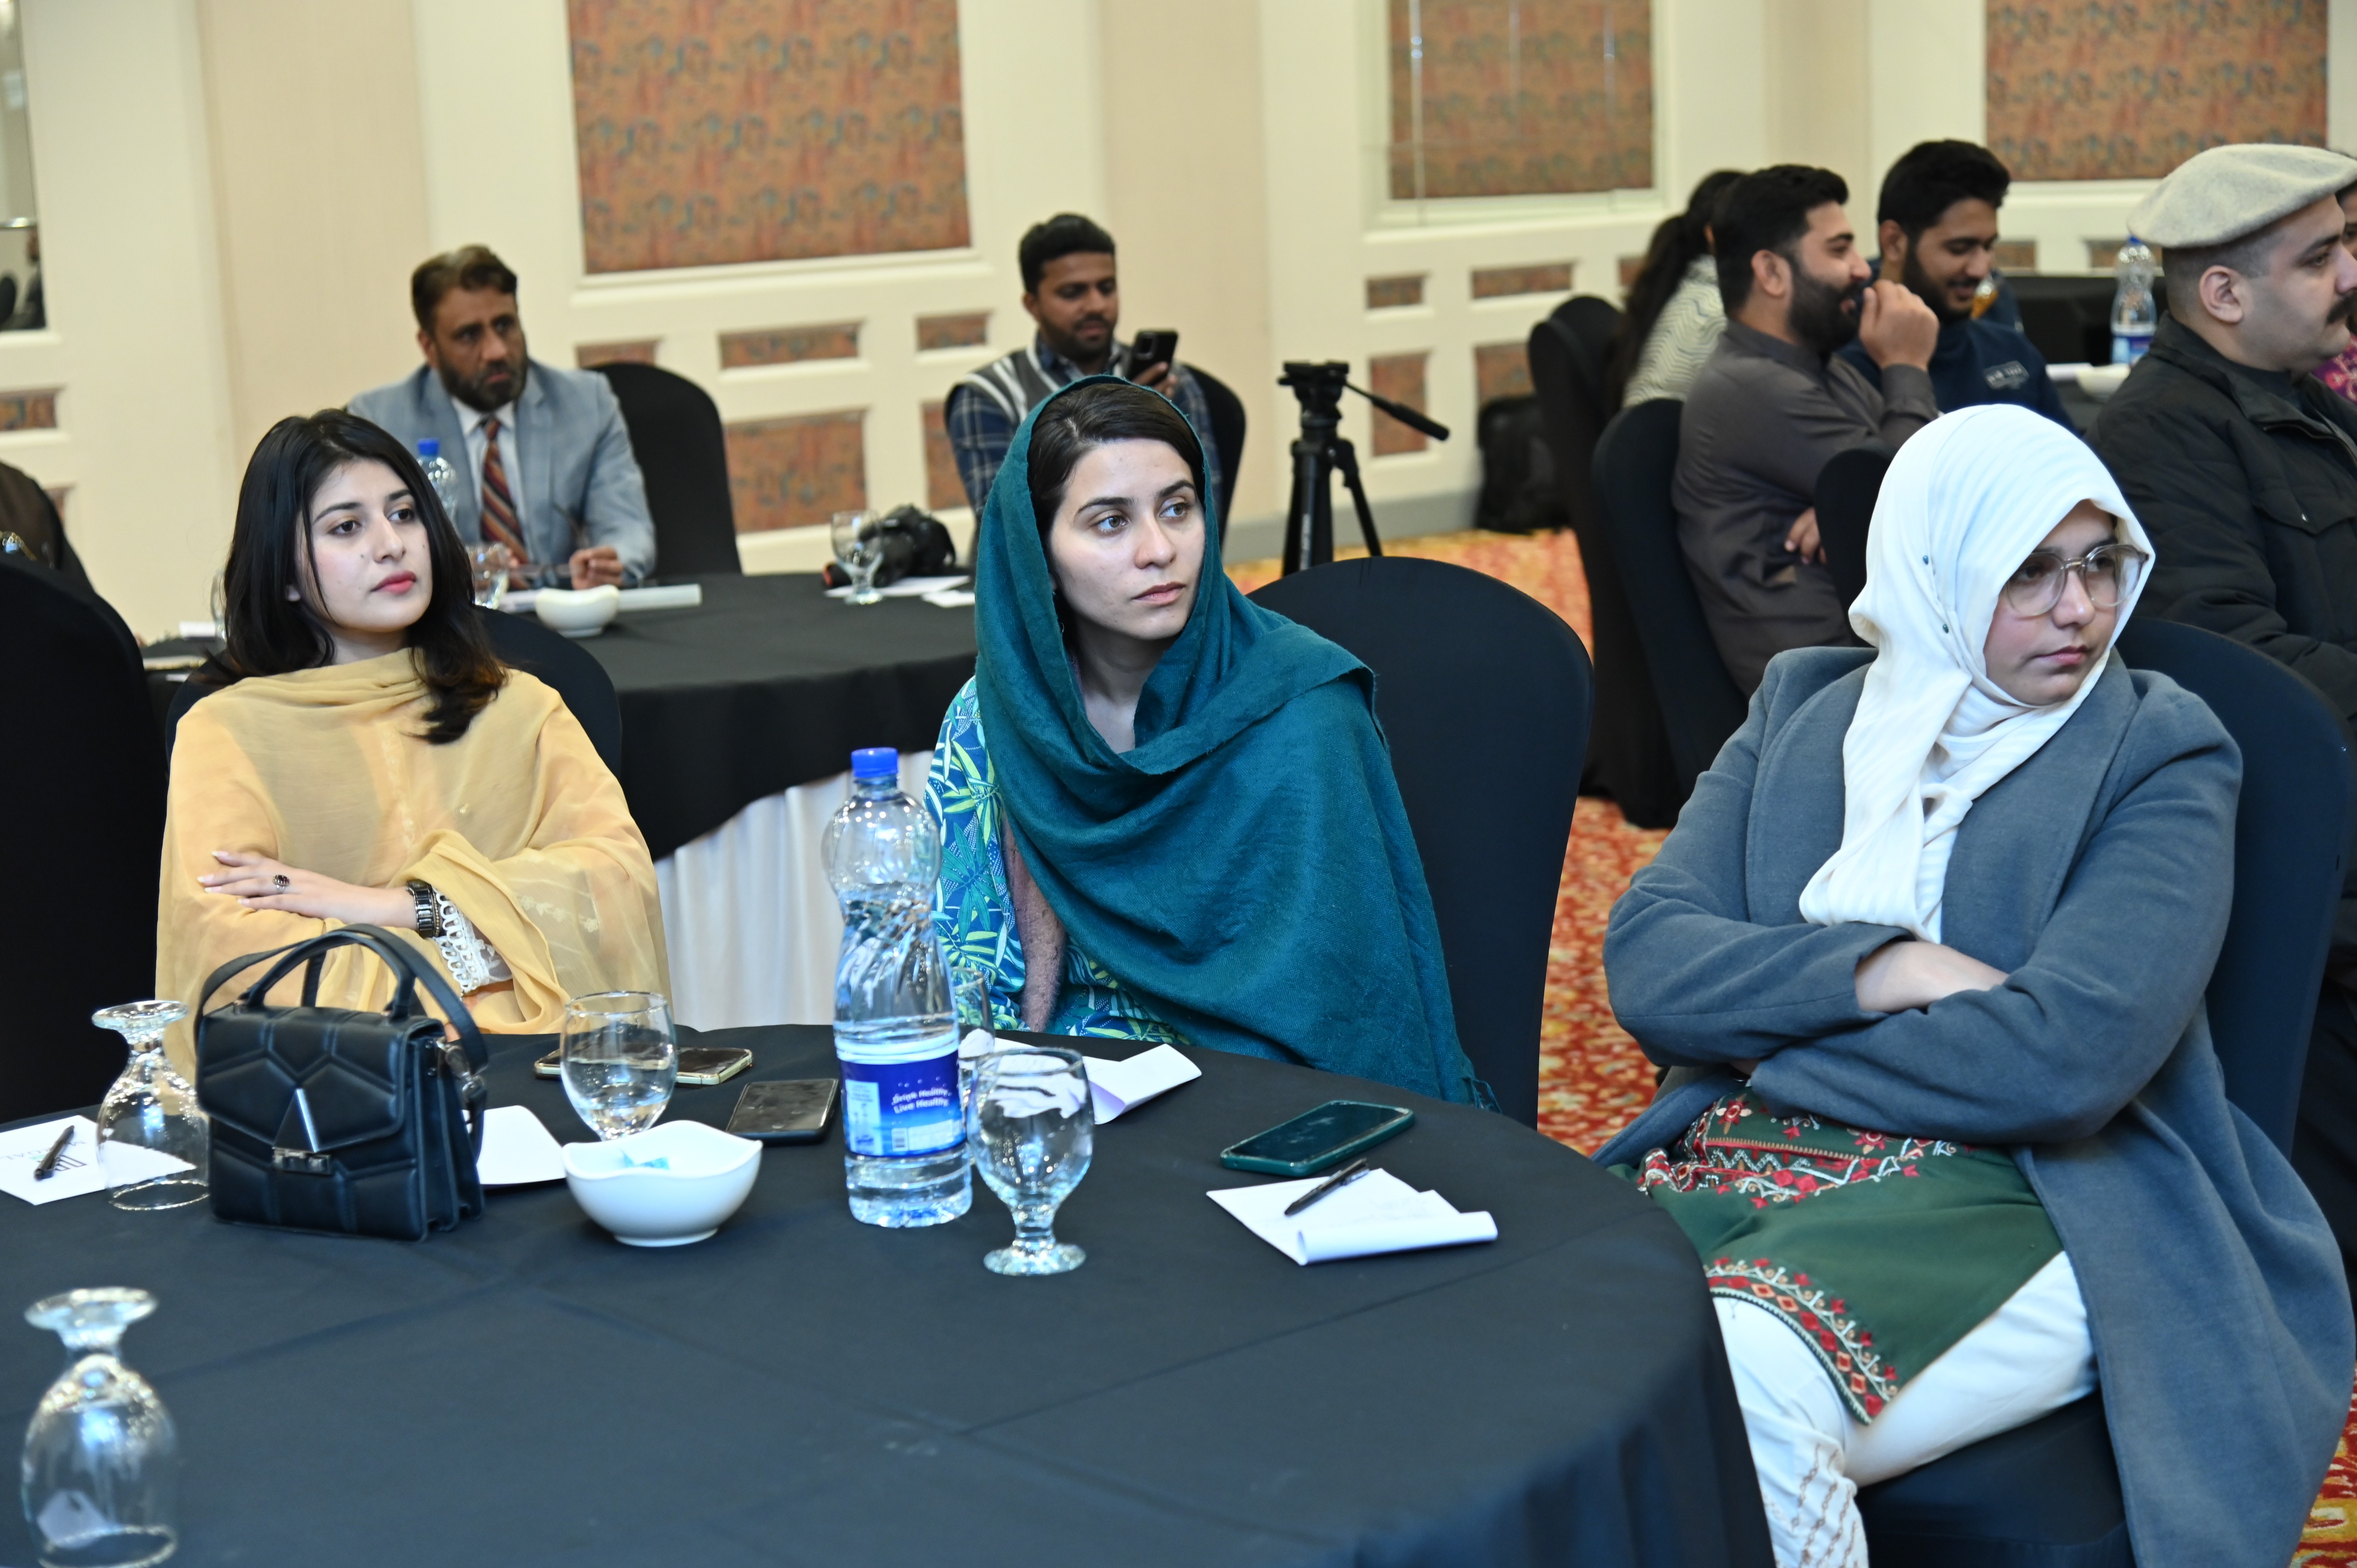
(2340, 372)
(1881, 1251)
(975, 914)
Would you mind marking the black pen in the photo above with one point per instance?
(49, 1166)
(1334, 1183)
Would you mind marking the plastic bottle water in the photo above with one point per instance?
(440, 475)
(895, 1027)
(2135, 312)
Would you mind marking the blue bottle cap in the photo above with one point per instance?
(429, 449)
(876, 762)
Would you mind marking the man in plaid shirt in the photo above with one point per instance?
(1070, 289)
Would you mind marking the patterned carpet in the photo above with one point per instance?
(1592, 1079)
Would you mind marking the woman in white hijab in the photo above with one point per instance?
(1925, 954)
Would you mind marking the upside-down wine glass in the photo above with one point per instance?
(1031, 1129)
(619, 1059)
(154, 1143)
(859, 550)
(100, 1453)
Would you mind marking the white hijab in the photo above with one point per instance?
(1965, 500)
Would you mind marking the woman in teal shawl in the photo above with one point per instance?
(1175, 803)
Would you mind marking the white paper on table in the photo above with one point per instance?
(1115, 1087)
(667, 596)
(907, 587)
(76, 1170)
(950, 598)
(1376, 1213)
(517, 1149)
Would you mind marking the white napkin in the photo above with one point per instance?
(1376, 1213)
(950, 598)
(1114, 1087)
(907, 588)
(517, 1149)
(76, 1170)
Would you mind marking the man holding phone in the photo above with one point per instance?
(1071, 291)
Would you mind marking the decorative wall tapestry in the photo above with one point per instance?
(2130, 88)
(1520, 97)
(718, 130)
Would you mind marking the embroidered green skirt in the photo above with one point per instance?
(1880, 1251)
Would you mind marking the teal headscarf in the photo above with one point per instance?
(1248, 870)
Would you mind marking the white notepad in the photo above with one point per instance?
(1115, 1087)
(76, 1170)
(907, 588)
(1376, 1213)
(517, 1149)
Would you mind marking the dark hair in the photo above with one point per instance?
(1677, 244)
(1766, 211)
(1931, 177)
(1094, 415)
(272, 634)
(468, 267)
(1065, 234)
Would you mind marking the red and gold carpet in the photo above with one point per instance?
(1592, 1079)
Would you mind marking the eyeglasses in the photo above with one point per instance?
(2107, 572)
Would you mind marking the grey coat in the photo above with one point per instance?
(580, 485)
(2098, 875)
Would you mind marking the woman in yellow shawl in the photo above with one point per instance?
(374, 763)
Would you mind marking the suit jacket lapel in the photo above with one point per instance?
(549, 533)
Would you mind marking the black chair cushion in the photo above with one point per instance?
(1847, 488)
(84, 793)
(1484, 695)
(2042, 1495)
(1635, 461)
(683, 451)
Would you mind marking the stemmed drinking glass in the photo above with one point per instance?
(619, 1059)
(153, 1144)
(100, 1453)
(859, 550)
(1031, 1129)
(491, 563)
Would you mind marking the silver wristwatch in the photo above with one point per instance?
(429, 916)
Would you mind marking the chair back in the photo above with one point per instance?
(1483, 694)
(1848, 486)
(676, 435)
(1701, 704)
(2291, 849)
(1227, 411)
(84, 794)
(559, 662)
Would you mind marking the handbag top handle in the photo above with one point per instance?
(312, 952)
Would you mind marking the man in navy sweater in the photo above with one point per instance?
(1937, 222)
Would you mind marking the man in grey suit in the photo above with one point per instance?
(544, 462)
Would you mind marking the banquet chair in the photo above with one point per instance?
(85, 796)
(1227, 412)
(1484, 694)
(2047, 1495)
(1629, 754)
(1848, 486)
(1701, 704)
(676, 435)
(522, 643)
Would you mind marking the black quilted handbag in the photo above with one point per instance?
(326, 1119)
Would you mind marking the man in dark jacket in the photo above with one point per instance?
(2243, 469)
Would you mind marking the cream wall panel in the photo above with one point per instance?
(496, 81)
(120, 150)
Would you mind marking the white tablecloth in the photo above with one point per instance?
(748, 914)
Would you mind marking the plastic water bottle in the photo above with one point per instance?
(440, 475)
(904, 1155)
(2135, 313)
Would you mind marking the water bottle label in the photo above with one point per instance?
(2127, 347)
(901, 1108)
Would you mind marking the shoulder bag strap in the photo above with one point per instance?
(398, 955)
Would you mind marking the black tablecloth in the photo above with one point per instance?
(771, 684)
(803, 1389)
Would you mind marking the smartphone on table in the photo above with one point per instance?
(1316, 1139)
(1155, 346)
(793, 1111)
(698, 1064)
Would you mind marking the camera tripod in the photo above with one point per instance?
(1322, 451)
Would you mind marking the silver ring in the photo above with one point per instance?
(282, 882)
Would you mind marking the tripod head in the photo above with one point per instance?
(1320, 386)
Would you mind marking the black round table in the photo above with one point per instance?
(802, 1388)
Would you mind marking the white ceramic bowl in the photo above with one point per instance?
(2100, 381)
(704, 1176)
(578, 612)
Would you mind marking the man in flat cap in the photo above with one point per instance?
(2243, 469)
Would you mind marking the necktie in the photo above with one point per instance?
(499, 504)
